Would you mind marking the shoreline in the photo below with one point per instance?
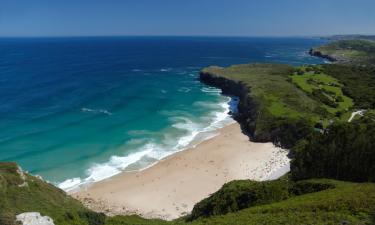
(171, 187)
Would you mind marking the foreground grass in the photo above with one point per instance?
(342, 201)
(348, 203)
(18, 195)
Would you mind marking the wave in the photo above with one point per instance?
(165, 69)
(102, 171)
(184, 89)
(211, 90)
(96, 111)
(151, 153)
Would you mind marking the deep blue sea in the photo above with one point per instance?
(78, 110)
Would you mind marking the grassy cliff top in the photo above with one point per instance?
(357, 51)
(291, 92)
(270, 87)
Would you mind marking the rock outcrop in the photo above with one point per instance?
(318, 53)
(34, 218)
(247, 107)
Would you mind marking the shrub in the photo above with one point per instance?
(346, 151)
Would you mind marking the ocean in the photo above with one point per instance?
(79, 110)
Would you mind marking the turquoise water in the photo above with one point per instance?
(78, 110)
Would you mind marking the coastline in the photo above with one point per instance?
(170, 188)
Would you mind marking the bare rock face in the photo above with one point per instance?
(23, 177)
(34, 218)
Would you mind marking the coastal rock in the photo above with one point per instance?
(320, 54)
(34, 218)
(248, 108)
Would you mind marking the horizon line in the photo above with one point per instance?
(198, 35)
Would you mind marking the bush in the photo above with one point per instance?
(287, 132)
(359, 83)
(237, 195)
(320, 96)
(345, 151)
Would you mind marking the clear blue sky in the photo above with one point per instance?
(186, 17)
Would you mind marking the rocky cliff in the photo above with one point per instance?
(318, 53)
(248, 108)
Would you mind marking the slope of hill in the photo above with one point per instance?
(239, 202)
(355, 51)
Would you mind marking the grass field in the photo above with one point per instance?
(350, 51)
(292, 92)
(331, 89)
(270, 86)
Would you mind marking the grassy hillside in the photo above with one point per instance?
(356, 51)
(346, 151)
(20, 192)
(325, 89)
(358, 83)
(347, 203)
(239, 202)
(271, 89)
(290, 100)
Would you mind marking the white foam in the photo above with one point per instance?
(165, 69)
(70, 183)
(99, 172)
(96, 111)
(195, 134)
(211, 90)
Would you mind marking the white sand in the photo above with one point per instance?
(170, 188)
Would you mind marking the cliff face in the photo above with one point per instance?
(255, 120)
(247, 107)
(318, 53)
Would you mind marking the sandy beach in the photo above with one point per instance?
(170, 188)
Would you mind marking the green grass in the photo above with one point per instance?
(271, 203)
(38, 196)
(328, 202)
(269, 86)
(348, 202)
(330, 86)
(286, 93)
(350, 51)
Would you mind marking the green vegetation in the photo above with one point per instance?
(270, 88)
(347, 203)
(239, 202)
(238, 195)
(323, 88)
(284, 113)
(359, 83)
(370, 114)
(290, 101)
(355, 51)
(20, 194)
(346, 151)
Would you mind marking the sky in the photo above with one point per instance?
(34, 18)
